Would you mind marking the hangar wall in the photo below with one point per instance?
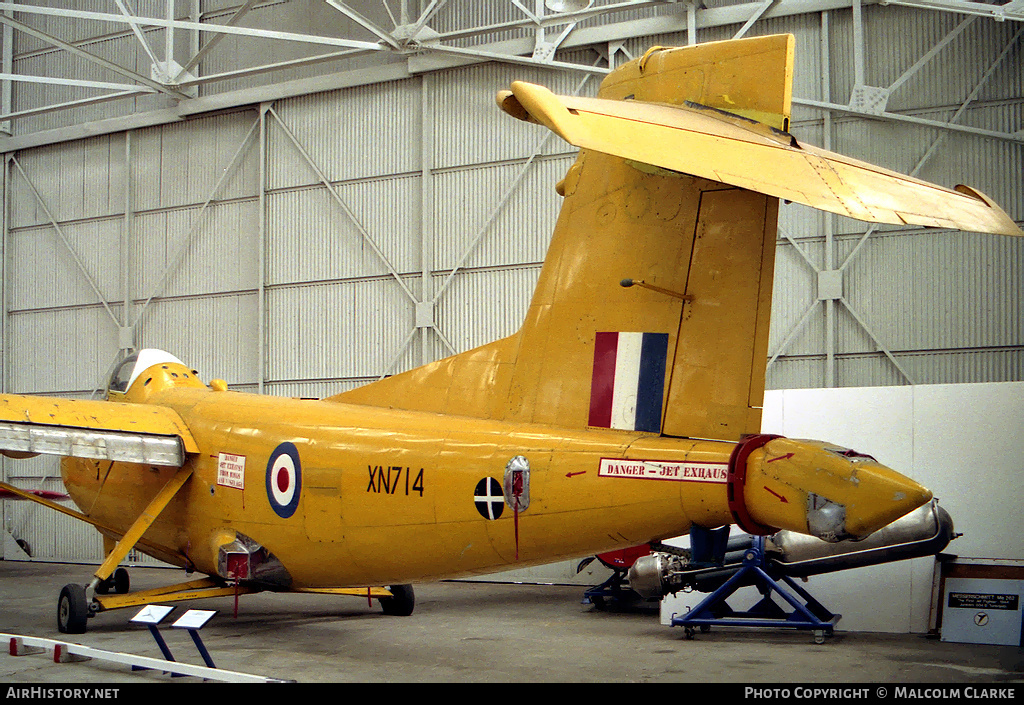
(314, 240)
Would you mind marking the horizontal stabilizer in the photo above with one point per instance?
(98, 430)
(713, 144)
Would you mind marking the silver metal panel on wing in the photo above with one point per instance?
(95, 445)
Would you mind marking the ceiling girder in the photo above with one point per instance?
(425, 49)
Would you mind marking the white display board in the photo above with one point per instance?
(982, 611)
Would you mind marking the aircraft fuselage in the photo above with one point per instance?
(387, 496)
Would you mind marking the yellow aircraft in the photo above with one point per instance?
(624, 411)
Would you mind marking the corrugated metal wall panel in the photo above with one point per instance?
(83, 179)
(349, 134)
(314, 390)
(481, 306)
(40, 255)
(215, 335)
(967, 301)
(337, 329)
(466, 198)
(180, 163)
(222, 250)
(470, 129)
(796, 289)
(61, 350)
(312, 237)
(305, 16)
(122, 50)
(899, 36)
(874, 369)
(67, 28)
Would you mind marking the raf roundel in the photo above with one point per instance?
(284, 480)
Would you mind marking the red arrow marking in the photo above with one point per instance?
(781, 457)
(781, 498)
(573, 474)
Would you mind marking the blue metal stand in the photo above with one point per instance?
(192, 622)
(807, 613)
(164, 649)
(194, 633)
(160, 642)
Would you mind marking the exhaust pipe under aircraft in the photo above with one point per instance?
(925, 531)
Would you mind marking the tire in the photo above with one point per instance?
(401, 604)
(121, 581)
(72, 610)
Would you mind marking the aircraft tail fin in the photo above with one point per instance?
(651, 310)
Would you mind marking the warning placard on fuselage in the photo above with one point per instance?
(664, 470)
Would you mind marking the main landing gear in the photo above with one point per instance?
(74, 608)
(119, 582)
(401, 603)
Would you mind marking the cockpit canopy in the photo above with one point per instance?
(134, 365)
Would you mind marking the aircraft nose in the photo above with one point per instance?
(823, 490)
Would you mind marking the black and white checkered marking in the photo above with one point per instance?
(489, 498)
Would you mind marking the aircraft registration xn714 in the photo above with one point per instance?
(625, 410)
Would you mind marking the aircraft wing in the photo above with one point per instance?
(717, 145)
(100, 430)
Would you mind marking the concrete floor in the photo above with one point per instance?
(472, 632)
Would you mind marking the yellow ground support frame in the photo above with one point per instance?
(210, 587)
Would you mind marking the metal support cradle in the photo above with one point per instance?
(806, 613)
